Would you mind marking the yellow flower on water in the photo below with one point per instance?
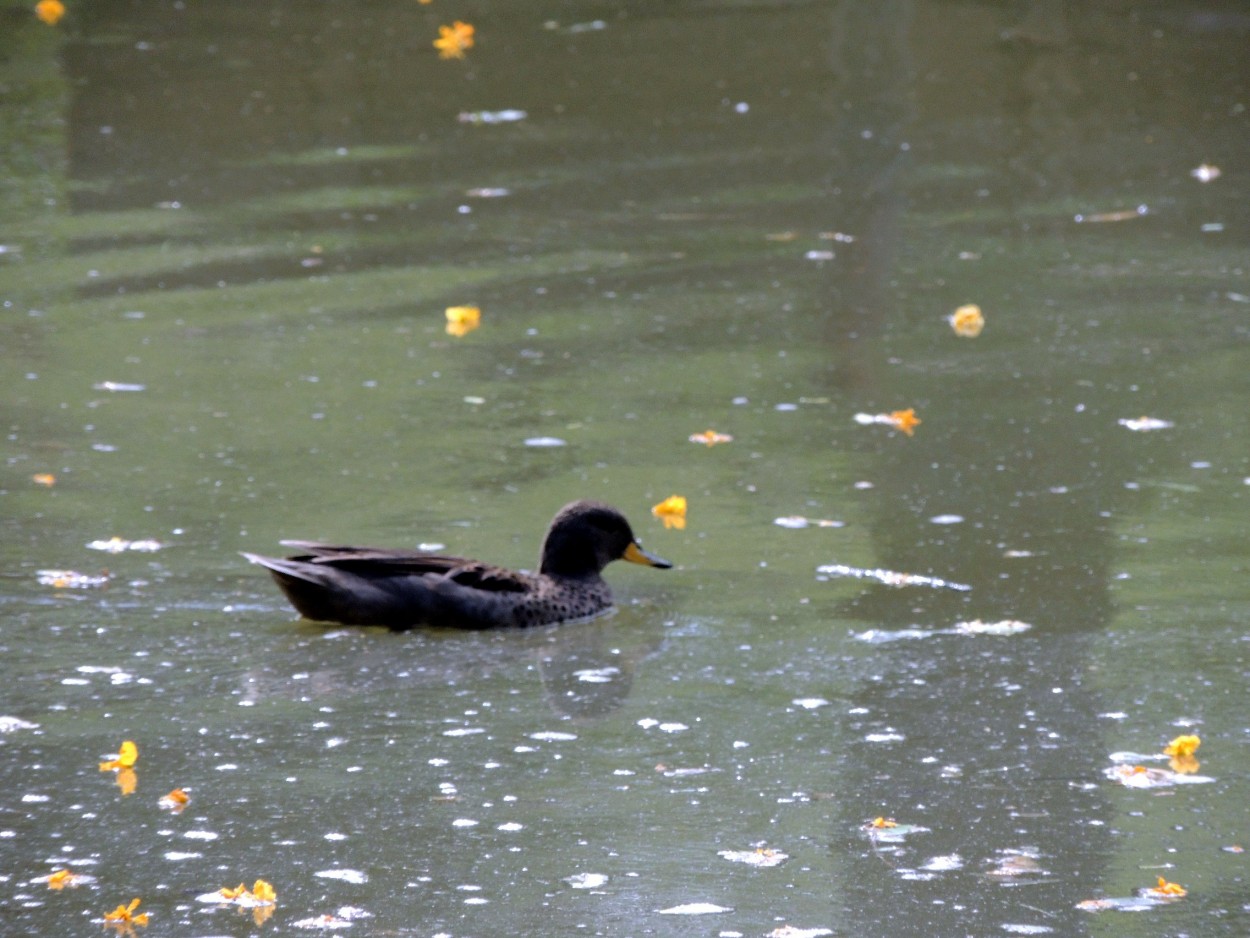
(175, 801)
(710, 437)
(672, 511)
(127, 756)
(462, 320)
(50, 11)
(60, 879)
(453, 40)
(905, 420)
(1182, 746)
(967, 321)
(884, 822)
(125, 915)
(263, 892)
(1164, 888)
(228, 893)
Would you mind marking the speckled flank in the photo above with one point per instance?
(404, 589)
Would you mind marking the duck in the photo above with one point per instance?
(404, 589)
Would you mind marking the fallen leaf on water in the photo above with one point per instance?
(50, 11)
(175, 801)
(967, 321)
(905, 420)
(454, 40)
(1164, 890)
(885, 830)
(124, 915)
(63, 879)
(1182, 746)
(461, 320)
(126, 757)
(672, 511)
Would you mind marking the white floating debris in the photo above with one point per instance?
(117, 386)
(484, 192)
(881, 636)
(597, 675)
(510, 826)
(1013, 928)
(464, 822)
(944, 864)
(464, 731)
(70, 579)
(200, 835)
(810, 703)
(175, 856)
(345, 876)
(762, 857)
(506, 116)
(819, 255)
(1004, 627)
(884, 738)
(586, 880)
(116, 545)
(946, 519)
(1145, 424)
(798, 522)
(1205, 173)
(545, 442)
(695, 908)
(342, 918)
(553, 736)
(889, 577)
(13, 724)
(790, 931)
(673, 727)
(647, 722)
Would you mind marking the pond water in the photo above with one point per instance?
(228, 235)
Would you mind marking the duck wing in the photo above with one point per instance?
(372, 562)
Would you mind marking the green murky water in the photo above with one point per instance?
(229, 233)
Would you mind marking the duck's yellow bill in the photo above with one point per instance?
(635, 554)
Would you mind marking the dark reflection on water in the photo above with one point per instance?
(747, 216)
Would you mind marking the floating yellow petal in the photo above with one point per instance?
(124, 915)
(710, 437)
(1183, 746)
(672, 511)
(462, 320)
(50, 11)
(60, 879)
(175, 801)
(228, 893)
(127, 756)
(967, 321)
(263, 892)
(44, 478)
(1164, 888)
(453, 40)
(884, 822)
(905, 420)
